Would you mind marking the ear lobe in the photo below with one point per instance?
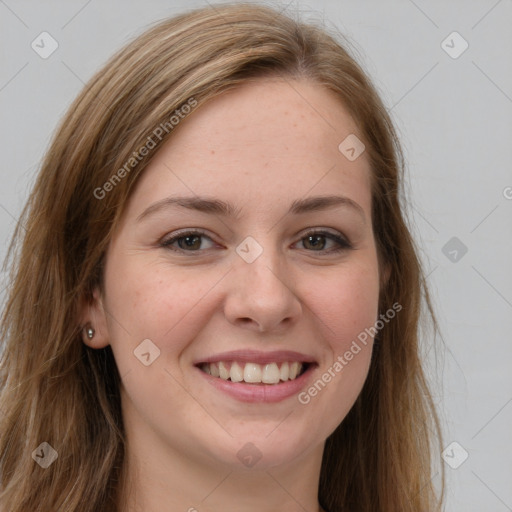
(92, 315)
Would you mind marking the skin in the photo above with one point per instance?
(260, 147)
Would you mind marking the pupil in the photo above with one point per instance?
(317, 243)
(191, 241)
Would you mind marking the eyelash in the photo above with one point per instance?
(343, 243)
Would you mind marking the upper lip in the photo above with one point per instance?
(258, 356)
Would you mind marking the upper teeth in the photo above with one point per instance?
(253, 373)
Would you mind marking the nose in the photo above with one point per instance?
(261, 296)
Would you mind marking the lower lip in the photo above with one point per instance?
(263, 393)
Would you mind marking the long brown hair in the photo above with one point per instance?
(55, 389)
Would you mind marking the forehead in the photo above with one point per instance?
(270, 139)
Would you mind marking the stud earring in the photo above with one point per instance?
(89, 331)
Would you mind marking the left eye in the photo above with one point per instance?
(317, 240)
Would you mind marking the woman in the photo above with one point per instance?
(215, 298)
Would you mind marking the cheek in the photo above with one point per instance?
(346, 306)
(150, 300)
(345, 303)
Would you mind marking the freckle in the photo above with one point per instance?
(212, 151)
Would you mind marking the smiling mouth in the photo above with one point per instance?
(254, 373)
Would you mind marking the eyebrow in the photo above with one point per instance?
(225, 209)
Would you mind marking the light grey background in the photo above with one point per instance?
(455, 120)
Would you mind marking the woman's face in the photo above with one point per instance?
(246, 253)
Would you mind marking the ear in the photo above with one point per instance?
(92, 313)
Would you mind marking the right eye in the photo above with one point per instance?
(187, 241)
